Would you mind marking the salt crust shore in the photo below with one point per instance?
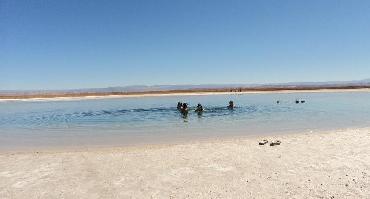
(307, 165)
(185, 94)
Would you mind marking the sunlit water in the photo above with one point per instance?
(125, 121)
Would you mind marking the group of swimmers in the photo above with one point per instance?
(183, 107)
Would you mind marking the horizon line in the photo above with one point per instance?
(215, 85)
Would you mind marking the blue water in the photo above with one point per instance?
(154, 119)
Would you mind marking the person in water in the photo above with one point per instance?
(184, 108)
(179, 105)
(231, 105)
(199, 109)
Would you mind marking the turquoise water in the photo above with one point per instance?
(124, 121)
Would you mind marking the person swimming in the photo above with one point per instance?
(184, 108)
(231, 105)
(199, 109)
(179, 105)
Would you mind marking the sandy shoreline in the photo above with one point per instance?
(184, 94)
(308, 165)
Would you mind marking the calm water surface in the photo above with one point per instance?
(124, 121)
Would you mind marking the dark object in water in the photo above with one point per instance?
(231, 105)
(297, 101)
(199, 108)
(275, 143)
(263, 142)
(179, 105)
(184, 108)
(278, 102)
(303, 101)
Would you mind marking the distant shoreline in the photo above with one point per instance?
(223, 91)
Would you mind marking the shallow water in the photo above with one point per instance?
(125, 121)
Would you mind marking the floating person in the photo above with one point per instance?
(303, 101)
(297, 101)
(184, 109)
(199, 108)
(231, 105)
(179, 105)
(278, 102)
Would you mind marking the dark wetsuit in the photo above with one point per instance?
(184, 108)
(179, 106)
(199, 108)
(231, 105)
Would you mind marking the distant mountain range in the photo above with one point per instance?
(145, 88)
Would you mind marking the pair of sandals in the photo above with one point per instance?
(263, 142)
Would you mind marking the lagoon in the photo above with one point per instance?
(143, 120)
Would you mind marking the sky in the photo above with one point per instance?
(70, 44)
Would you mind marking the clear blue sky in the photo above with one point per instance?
(80, 44)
